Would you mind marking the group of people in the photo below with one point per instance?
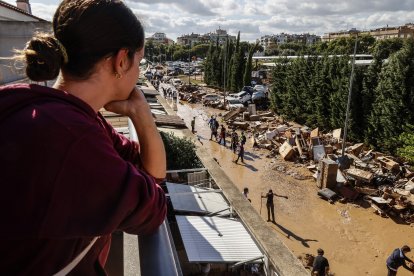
(320, 265)
(169, 93)
(397, 259)
(236, 143)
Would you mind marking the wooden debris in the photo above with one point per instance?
(337, 133)
(286, 151)
(388, 163)
(314, 133)
(360, 174)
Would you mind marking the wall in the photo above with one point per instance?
(14, 35)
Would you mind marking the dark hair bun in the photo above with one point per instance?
(43, 58)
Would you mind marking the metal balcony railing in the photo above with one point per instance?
(157, 253)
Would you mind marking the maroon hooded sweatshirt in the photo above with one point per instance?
(66, 176)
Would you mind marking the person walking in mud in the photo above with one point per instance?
(246, 194)
(240, 154)
(222, 135)
(320, 264)
(270, 205)
(234, 141)
(243, 138)
(397, 259)
(213, 124)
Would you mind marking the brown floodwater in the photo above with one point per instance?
(355, 240)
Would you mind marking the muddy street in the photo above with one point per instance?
(356, 241)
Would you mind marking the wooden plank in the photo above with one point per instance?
(169, 120)
(149, 92)
(232, 113)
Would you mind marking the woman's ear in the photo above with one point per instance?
(121, 62)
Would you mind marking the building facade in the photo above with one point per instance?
(404, 31)
(282, 38)
(160, 38)
(192, 39)
(17, 26)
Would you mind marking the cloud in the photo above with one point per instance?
(195, 7)
(255, 18)
(44, 11)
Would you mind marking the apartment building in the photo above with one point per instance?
(404, 31)
(282, 38)
(160, 38)
(192, 39)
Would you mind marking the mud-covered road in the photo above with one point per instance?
(356, 241)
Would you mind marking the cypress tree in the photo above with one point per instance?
(393, 107)
(247, 77)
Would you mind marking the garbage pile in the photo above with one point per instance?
(382, 181)
(190, 93)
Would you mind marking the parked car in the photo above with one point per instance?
(248, 89)
(233, 103)
(210, 97)
(259, 87)
(176, 82)
(258, 95)
(243, 97)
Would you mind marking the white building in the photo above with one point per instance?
(220, 35)
(160, 38)
(192, 39)
(17, 25)
(283, 38)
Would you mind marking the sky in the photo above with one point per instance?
(256, 18)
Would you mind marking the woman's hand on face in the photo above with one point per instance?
(135, 103)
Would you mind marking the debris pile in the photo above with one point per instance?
(383, 181)
(190, 93)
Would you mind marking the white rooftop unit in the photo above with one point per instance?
(204, 201)
(216, 240)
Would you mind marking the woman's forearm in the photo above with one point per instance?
(152, 148)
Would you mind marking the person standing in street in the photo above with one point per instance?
(213, 127)
(397, 259)
(246, 194)
(193, 125)
(222, 135)
(320, 264)
(270, 205)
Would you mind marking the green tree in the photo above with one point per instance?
(406, 139)
(394, 104)
(181, 153)
(247, 77)
(237, 66)
(200, 50)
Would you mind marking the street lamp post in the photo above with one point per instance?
(189, 60)
(224, 84)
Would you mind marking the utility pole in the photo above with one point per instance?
(224, 84)
(189, 62)
(349, 97)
